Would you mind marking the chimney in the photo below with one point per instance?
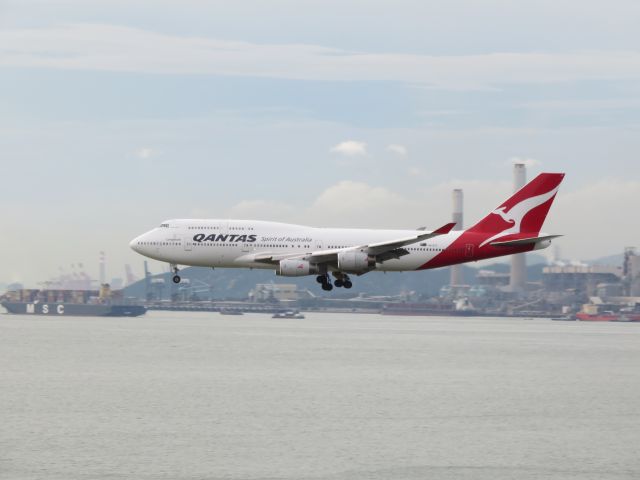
(103, 275)
(456, 270)
(518, 277)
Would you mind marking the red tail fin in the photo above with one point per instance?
(524, 212)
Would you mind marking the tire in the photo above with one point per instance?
(176, 279)
(348, 284)
(339, 283)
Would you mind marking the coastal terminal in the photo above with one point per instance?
(564, 291)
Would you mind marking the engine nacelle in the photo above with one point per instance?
(542, 244)
(296, 268)
(355, 262)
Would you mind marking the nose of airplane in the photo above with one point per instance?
(135, 244)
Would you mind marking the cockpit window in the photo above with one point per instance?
(164, 225)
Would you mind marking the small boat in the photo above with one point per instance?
(288, 314)
(566, 318)
(230, 311)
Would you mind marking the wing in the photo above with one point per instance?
(378, 248)
(382, 250)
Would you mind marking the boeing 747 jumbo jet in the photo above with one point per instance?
(297, 250)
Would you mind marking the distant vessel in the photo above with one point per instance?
(597, 317)
(461, 308)
(288, 314)
(79, 303)
(230, 311)
(628, 318)
(608, 317)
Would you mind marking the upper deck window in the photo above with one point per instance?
(164, 225)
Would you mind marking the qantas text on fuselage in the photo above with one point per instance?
(297, 250)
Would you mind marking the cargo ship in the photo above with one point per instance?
(81, 303)
(608, 317)
(597, 317)
(595, 313)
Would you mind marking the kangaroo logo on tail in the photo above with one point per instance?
(515, 214)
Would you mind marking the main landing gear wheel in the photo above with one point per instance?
(325, 281)
(342, 280)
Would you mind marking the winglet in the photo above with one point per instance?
(443, 230)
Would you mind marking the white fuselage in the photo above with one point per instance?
(236, 243)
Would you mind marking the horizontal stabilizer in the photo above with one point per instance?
(523, 241)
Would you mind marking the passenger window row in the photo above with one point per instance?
(159, 243)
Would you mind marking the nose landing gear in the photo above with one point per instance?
(176, 277)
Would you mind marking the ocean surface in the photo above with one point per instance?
(203, 396)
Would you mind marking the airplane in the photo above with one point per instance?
(298, 250)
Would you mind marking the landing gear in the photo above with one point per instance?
(176, 277)
(342, 280)
(325, 281)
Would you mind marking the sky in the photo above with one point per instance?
(116, 115)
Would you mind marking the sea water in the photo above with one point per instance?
(334, 396)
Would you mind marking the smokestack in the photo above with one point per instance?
(518, 277)
(456, 270)
(103, 274)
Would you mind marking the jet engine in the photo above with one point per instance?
(542, 244)
(355, 262)
(296, 268)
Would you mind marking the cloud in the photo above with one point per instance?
(583, 105)
(527, 162)
(124, 49)
(397, 149)
(262, 210)
(598, 214)
(415, 172)
(358, 204)
(350, 148)
(146, 153)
